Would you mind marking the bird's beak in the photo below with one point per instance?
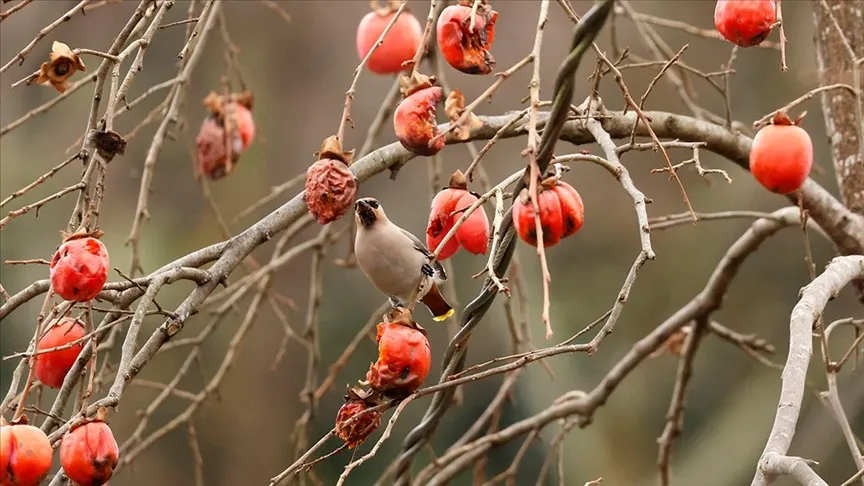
(360, 204)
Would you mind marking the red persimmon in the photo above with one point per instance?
(745, 23)
(25, 454)
(464, 48)
(404, 358)
(52, 367)
(398, 46)
(561, 210)
(414, 121)
(89, 453)
(781, 155)
(79, 268)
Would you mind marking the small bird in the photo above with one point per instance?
(395, 261)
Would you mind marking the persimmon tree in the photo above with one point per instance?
(93, 366)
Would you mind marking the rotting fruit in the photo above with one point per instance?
(781, 155)
(330, 185)
(212, 140)
(25, 454)
(473, 234)
(745, 23)
(404, 355)
(561, 210)
(464, 48)
(397, 47)
(357, 431)
(89, 453)
(79, 268)
(53, 366)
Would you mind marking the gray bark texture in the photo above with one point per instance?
(840, 57)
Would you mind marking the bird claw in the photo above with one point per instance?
(394, 303)
(427, 270)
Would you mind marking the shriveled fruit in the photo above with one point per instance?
(745, 22)
(52, 367)
(330, 185)
(212, 141)
(25, 455)
(354, 433)
(79, 268)
(89, 453)
(465, 49)
(561, 210)
(398, 46)
(781, 155)
(414, 121)
(404, 357)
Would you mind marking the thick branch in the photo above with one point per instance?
(839, 53)
(814, 298)
(845, 228)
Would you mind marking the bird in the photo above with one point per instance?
(396, 262)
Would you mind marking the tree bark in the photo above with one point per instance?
(839, 44)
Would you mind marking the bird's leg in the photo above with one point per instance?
(395, 303)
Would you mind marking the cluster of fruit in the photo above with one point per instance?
(88, 451)
(404, 359)
(330, 185)
(782, 153)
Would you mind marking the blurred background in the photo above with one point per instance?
(299, 71)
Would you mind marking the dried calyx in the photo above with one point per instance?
(81, 233)
(63, 63)
(331, 148)
(215, 103)
(782, 118)
(414, 82)
(384, 8)
(454, 108)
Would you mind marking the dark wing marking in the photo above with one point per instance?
(440, 274)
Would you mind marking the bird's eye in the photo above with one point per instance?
(373, 204)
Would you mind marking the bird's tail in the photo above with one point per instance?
(436, 304)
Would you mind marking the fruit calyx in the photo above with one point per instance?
(413, 83)
(403, 317)
(331, 148)
(384, 8)
(215, 103)
(81, 233)
(458, 181)
(782, 118)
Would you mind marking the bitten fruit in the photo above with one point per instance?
(398, 46)
(89, 453)
(781, 155)
(561, 210)
(25, 454)
(53, 366)
(404, 356)
(79, 268)
(473, 234)
(414, 121)
(745, 23)
(354, 433)
(466, 49)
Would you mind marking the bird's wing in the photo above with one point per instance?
(440, 274)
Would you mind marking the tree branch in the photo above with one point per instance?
(814, 298)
